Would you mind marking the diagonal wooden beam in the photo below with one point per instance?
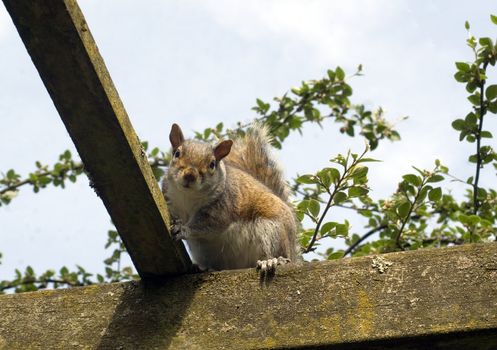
(426, 299)
(62, 48)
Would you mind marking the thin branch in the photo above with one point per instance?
(14, 187)
(44, 281)
(408, 216)
(364, 237)
(476, 204)
(337, 188)
(328, 206)
(154, 162)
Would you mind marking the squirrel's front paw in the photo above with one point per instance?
(179, 231)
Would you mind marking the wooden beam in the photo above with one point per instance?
(425, 299)
(62, 48)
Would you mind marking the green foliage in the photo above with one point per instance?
(29, 280)
(483, 99)
(420, 213)
(66, 169)
(344, 183)
(314, 102)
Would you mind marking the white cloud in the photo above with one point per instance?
(331, 28)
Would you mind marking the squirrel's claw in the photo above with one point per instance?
(178, 230)
(268, 267)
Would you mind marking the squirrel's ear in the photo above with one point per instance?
(176, 136)
(222, 150)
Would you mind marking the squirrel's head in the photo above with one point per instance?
(196, 165)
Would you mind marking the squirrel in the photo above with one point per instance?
(230, 202)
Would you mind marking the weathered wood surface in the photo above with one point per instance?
(427, 299)
(61, 46)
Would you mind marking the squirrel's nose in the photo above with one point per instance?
(188, 178)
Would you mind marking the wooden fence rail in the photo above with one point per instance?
(425, 299)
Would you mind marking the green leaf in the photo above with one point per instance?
(423, 193)
(314, 207)
(305, 237)
(458, 124)
(474, 99)
(435, 194)
(325, 178)
(307, 179)
(491, 92)
(357, 191)
(340, 74)
(469, 219)
(471, 87)
(11, 174)
(360, 171)
(403, 209)
(342, 230)
(493, 19)
(158, 172)
(462, 66)
(466, 25)
(154, 152)
(340, 197)
(481, 193)
(303, 205)
(331, 74)
(486, 134)
(435, 178)
(486, 42)
(412, 179)
(471, 118)
(492, 107)
(335, 255)
(327, 227)
(461, 77)
(334, 174)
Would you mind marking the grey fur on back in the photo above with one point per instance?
(252, 154)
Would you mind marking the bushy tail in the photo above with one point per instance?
(252, 154)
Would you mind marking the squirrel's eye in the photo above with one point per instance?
(213, 164)
(177, 154)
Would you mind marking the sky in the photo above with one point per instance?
(200, 62)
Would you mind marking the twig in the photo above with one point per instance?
(45, 281)
(328, 206)
(364, 237)
(15, 186)
(408, 216)
(476, 204)
(338, 187)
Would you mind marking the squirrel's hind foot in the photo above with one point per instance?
(268, 267)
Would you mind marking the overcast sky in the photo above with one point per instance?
(200, 62)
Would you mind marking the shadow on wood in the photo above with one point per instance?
(148, 316)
